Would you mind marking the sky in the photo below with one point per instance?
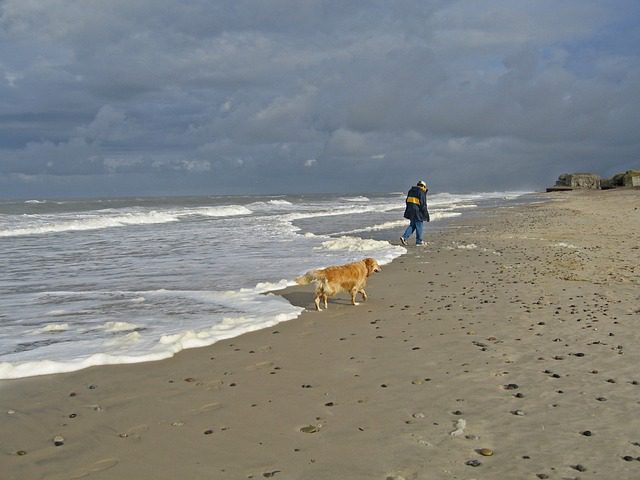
(192, 97)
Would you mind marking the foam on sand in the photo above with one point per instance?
(381, 250)
(132, 343)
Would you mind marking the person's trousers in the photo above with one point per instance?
(414, 226)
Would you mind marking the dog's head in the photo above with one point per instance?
(372, 265)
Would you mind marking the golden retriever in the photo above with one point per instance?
(351, 277)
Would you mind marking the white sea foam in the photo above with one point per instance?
(47, 367)
(353, 244)
(43, 225)
(224, 211)
(457, 206)
(434, 216)
(140, 346)
(51, 328)
(382, 251)
(273, 286)
(119, 326)
(376, 228)
(442, 215)
(110, 218)
(352, 210)
(355, 199)
(275, 205)
(124, 341)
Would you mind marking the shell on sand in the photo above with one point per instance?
(310, 429)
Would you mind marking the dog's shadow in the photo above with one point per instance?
(305, 300)
(299, 299)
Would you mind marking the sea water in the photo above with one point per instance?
(94, 282)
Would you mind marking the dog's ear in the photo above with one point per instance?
(372, 265)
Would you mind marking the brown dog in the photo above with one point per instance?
(351, 277)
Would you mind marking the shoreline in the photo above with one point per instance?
(208, 333)
(501, 322)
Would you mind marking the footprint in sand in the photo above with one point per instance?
(136, 432)
(268, 472)
(99, 466)
(404, 475)
(259, 366)
(207, 407)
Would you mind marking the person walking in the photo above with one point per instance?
(416, 212)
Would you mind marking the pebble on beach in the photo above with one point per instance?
(270, 474)
(485, 452)
(310, 429)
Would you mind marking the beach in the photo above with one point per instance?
(507, 348)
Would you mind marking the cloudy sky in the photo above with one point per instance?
(142, 97)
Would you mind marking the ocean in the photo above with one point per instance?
(124, 280)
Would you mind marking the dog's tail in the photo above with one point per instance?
(313, 276)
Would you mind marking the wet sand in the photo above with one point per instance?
(508, 348)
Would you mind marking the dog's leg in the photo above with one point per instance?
(317, 302)
(325, 297)
(354, 292)
(364, 295)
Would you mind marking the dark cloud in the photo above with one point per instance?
(163, 97)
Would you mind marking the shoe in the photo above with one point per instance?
(403, 241)
(421, 244)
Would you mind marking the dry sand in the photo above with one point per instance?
(517, 329)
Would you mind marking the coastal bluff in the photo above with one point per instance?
(591, 181)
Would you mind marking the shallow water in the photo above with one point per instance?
(89, 282)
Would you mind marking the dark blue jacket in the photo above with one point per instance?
(416, 209)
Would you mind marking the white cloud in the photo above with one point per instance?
(184, 165)
(344, 142)
(114, 165)
(12, 78)
(109, 124)
(508, 24)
